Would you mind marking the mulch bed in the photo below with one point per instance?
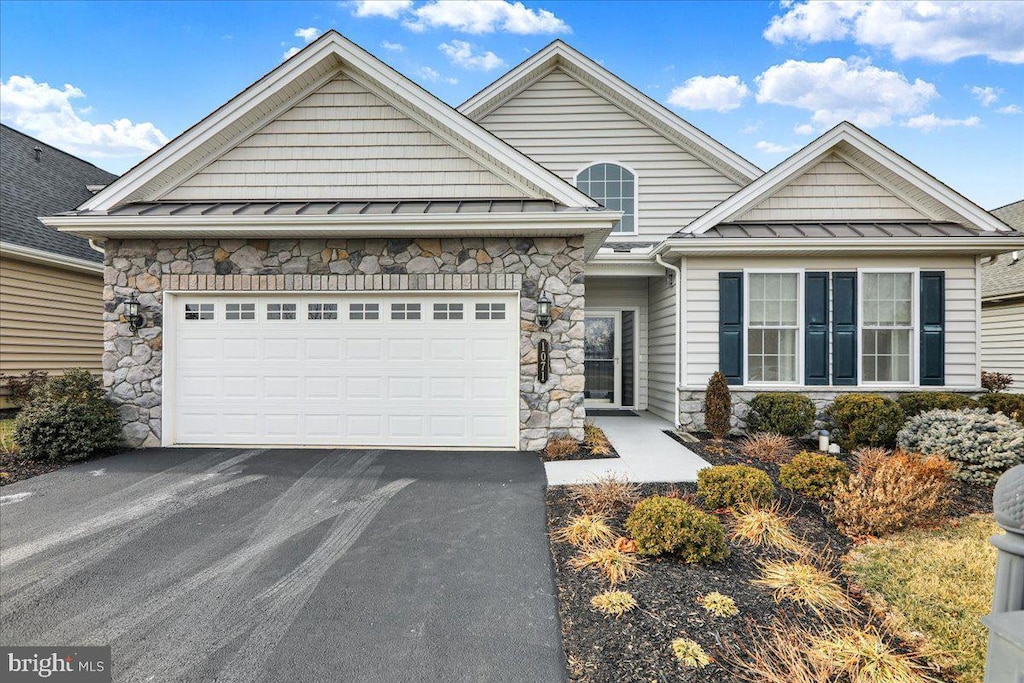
(13, 468)
(583, 454)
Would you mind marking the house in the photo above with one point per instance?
(336, 257)
(1002, 306)
(51, 283)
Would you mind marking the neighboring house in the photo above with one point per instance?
(51, 284)
(1002, 306)
(337, 257)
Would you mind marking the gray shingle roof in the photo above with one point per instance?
(30, 188)
(1004, 276)
(839, 229)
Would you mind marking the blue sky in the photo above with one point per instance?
(943, 84)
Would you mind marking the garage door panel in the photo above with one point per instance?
(382, 382)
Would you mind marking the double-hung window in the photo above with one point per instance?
(773, 328)
(887, 327)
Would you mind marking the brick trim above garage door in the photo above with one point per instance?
(341, 283)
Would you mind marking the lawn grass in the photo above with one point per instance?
(937, 582)
(7, 444)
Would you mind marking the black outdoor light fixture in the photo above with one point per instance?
(543, 311)
(132, 313)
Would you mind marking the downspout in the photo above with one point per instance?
(679, 327)
(92, 243)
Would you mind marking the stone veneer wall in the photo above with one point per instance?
(132, 361)
(691, 405)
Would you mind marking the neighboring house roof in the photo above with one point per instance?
(916, 189)
(295, 79)
(559, 55)
(31, 187)
(845, 229)
(1003, 276)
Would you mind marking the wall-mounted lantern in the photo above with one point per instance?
(543, 311)
(133, 313)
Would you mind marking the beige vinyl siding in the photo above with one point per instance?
(617, 293)
(566, 126)
(50, 319)
(1002, 340)
(701, 292)
(832, 190)
(343, 142)
(661, 347)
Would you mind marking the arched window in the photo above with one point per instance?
(614, 187)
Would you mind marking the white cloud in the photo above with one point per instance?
(775, 148)
(425, 73)
(389, 9)
(936, 31)
(290, 52)
(48, 114)
(309, 34)
(460, 53)
(392, 47)
(1010, 109)
(451, 80)
(719, 93)
(837, 89)
(987, 95)
(751, 127)
(485, 16)
(926, 123)
(804, 129)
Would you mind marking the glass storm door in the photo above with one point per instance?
(602, 351)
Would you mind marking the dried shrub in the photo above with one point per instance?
(776, 653)
(718, 406)
(865, 420)
(813, 475)
(887, 494)
(669, 525)
(718, 605)
(689, 653)
(613, 564)
(766, 527)
(724, 486)
(804, 583)
(584, 530)
(626, 545)
(1010, 405)
(866, 656)
(917, 402)
(607, 495)
(613, 603)
(595, 440)
(995, 381)
(981, 444)
(768, 447)
(561, 446)
(781, 412)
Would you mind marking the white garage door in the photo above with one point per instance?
(378, 369)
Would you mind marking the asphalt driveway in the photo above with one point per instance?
(287, 565)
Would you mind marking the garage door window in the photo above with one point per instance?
(447, 311)
(364, 311)
(198, 311)
(490, 311)
(322, 311)
(281, 311)
(405, 311)
(240, 311)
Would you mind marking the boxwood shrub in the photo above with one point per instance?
(865, 420)
(730, 485)
(781, 412)
(813, 475)
(660, 525)
(917, 402)
(1010, 405)
(67, 419)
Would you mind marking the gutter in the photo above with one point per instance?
(49, 258)
(679, 333)
(994, 244)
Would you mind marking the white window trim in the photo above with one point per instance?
(915, 328)
(636, 191)
(800, 370)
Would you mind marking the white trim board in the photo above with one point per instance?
(48, 258)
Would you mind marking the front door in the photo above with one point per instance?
(602, 354)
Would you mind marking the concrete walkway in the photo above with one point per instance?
(646, 454)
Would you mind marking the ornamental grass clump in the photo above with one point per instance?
(867, 656)
(689, 653)
(584, 530)
(613, 564)
(776, 653)
(802, 582)
(982, 445)
(718, 605)
(661, 525)
(560, 447)
(768, 447)
(607, 495)
(595, 440)
(766, 527)
(813, 475)
(613, 603)
(725, 486)
(888, 493)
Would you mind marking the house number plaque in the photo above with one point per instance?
(543, 361)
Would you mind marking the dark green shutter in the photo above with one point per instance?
(730, 326)
(933, 328)
(816, 328)
(844, 329)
